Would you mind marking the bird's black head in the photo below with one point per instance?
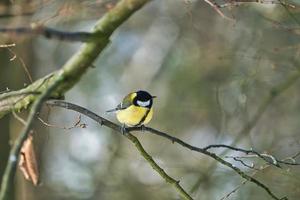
(143, 99)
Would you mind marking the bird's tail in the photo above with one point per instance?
(112, 110)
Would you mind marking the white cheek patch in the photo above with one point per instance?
(143, 103)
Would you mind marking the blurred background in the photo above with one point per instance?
(211, 75)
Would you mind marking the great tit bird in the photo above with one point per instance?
(135, 109)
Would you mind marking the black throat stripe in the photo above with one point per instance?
(143, 118)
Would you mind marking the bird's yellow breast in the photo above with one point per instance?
(134, 115)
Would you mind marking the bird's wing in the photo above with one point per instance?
(126, 102)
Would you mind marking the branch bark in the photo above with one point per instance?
(104, 122)
(115, 127)
(78, 64)
(57, 83)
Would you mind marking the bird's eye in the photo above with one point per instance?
(143, 103)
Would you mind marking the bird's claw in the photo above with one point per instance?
(123, 130)
(143, 128)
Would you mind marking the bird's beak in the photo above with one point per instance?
(153, 97)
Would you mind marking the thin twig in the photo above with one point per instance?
(244, 182)
(233, 3)
(22, 63)
(239, 159)
(50, 33)
(296, 155)
(264, 156)
(234, 190)
(245, 164)
(7, 45)
(77, 124)
(217, 9)
(19, 118)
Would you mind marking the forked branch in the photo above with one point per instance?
(118, 128)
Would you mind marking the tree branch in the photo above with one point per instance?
(9, 173)
(104, 122)
(157, 168)
(246, 129)
(51, 33)
(117, 128)
(241, 2)
(57, 83)
(78, 64)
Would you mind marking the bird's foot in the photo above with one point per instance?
(143, 128)
(123, 130)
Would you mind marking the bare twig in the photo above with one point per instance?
(265, 156)
(83, 59)
(246, 129)
(243, 183)
(234, 190)
(239, 159)
(241, 2)
(296, 155)
(19, 118)
(133, 139)
(61, 81)
(291, 158)
(7, 45)
(77, 124)
(50, 33)
(217, 9)
(22, 63)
